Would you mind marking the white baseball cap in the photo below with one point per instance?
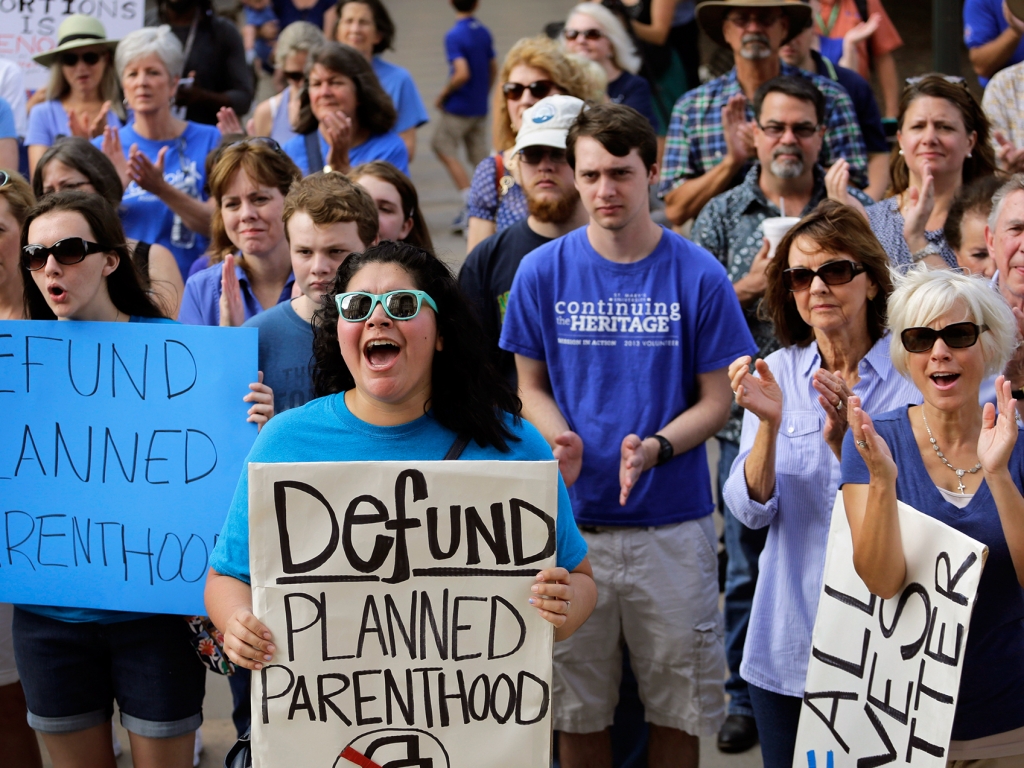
(547, 123)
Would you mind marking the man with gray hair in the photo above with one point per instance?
(1004, 236)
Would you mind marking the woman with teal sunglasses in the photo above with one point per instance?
(402, 374)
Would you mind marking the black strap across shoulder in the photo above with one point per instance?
(457, 448)
(313, 153)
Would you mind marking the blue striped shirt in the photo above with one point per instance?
(799, 512)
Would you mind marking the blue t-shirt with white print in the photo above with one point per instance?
(623, 344)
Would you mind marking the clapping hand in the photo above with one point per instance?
(1010, 158)
(336, 128)
(921, 205)
(228, 122)
(998, 431)
(631, 465)
(79, 123)
(111, 147)
(143, 171)
(837, 185)
(739, 133)
(833, 395)
(761, 394)
(568, 452)
(872, 447)
(232, 308)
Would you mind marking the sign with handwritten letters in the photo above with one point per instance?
(397, 594)
(120, 448)
(29, 27)
(884, 674)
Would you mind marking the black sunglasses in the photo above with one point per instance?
(586, 34)
(837, 272)
(70, 58)
(259, 141)
(800, 130)
(539, 89)
(954, 336)
(295, 77)
(68, 251)
(536, 155)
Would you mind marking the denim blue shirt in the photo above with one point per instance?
(799, 513)
(200, 304)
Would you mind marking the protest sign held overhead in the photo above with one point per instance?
(398, 594)
(883, 676)
(120, 448)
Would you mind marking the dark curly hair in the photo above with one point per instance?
(374, 110)
(468, 395)
(124, 284)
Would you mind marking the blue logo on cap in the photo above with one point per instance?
(545, 112)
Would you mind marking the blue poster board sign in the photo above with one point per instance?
(120, 448)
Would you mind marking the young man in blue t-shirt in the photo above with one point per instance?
(622, 332)
(994, 36)
(463, 102)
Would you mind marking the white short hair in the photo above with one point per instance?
(623, 50)
(142, 42)
(1014, 184)
(923, 295)
(297, 37)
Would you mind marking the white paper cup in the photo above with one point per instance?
(775, 228)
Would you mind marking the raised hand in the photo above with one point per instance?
(568, 452)
(552, 595)
(998, 431)
(631, 465)
(739, 133)
(870, 445)
(833, 395)
(761, 394)
(864, 30)
(232, 308)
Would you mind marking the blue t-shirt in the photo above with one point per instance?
(992, 682)
(325, 430)
(470, 40)
(623, 344)
(256, 18)
(384, 146)
(98, 615)
(287, 13)
(285, 352)
(633, 91)
(48, 122)
(7, 127)
(398, 84)
(145, 216)
(983, 23)
(200, 303)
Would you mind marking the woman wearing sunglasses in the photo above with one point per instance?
(83, 95)
(944, 142)
(276, 116)
(595, 33)
(250, 263)
(963, 465)
(535, 67)
(346, 118)
(826, 295)
(398, 370)
(74, 662)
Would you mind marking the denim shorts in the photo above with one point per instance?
(73, 672)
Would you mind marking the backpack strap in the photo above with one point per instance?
(457, 448)
(313, 153)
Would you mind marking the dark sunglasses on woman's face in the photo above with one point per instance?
(954, 336)
(295, 77)
(70, 59)
(837, 272)
(539, 89)
(586, 34)
(68, 251)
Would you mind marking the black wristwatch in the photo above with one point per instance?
(666, 451)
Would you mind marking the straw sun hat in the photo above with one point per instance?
(711, 15)
(77, 31)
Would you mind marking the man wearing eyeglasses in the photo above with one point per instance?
(555, 210)
(709, 146)
(787, 135)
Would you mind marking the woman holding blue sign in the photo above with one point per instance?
(963, 465)
(74, 662)
(400, 374)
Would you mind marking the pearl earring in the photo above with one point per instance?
(901, 153)
(969, 155)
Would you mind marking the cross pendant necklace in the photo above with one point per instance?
(959, 472)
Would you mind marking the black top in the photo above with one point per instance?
(486, 277)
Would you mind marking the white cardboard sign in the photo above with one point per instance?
(29, 27)
(397, 594)
(883, 676)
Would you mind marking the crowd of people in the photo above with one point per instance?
(843, 315)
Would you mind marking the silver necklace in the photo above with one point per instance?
(959, 472)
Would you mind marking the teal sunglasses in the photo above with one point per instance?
(356, 306)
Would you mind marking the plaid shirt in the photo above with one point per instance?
(696, 144)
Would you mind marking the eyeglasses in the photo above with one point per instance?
(586, 34)
(837, 272)
(536, 155)
(954, 336)
(295, 77)
(70, 59)
(68, 251)
(763, 18)
(539, 89)
(800, 130)
(356, 306)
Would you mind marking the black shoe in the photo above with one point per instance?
(738, 734)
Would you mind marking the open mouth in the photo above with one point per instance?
(381, 353)
(944, 380)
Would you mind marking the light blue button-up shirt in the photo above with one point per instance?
(799, 512)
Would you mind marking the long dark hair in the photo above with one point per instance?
(79, 154)
(419, 235)
(123, 284)
(468, 395)
(374, 110)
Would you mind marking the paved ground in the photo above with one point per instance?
(421, 27)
